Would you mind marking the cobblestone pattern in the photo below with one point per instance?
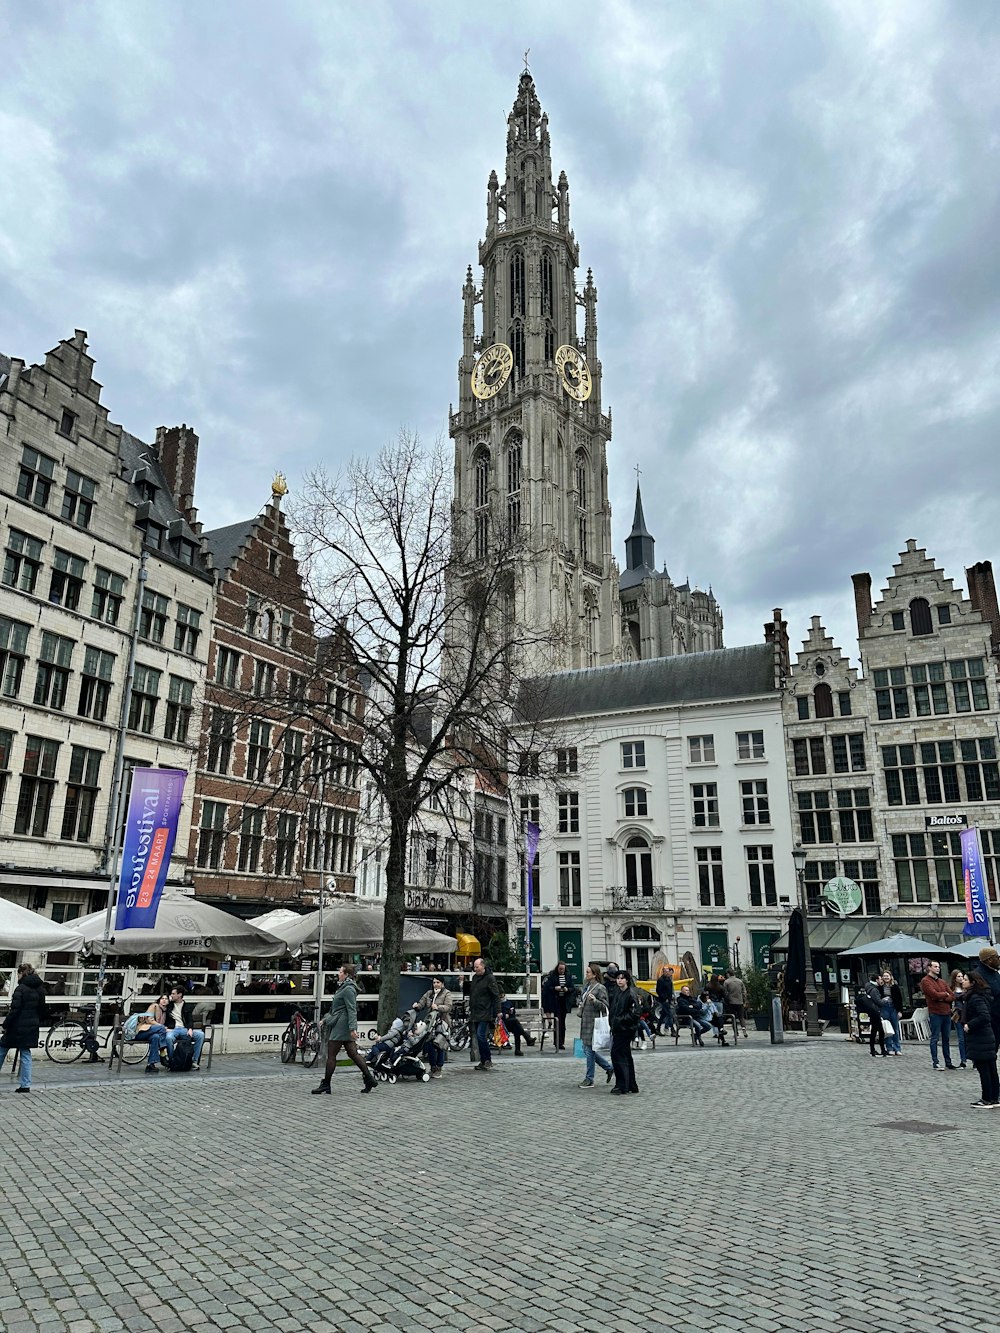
(510, 1202)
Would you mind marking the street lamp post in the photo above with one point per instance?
(813, 1029)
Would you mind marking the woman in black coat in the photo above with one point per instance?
(866, 1004)
(24, 1018)
(624, 1013)
(979, 1043)
(557, 997)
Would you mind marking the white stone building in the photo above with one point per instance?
(663, 806)
(81, 500)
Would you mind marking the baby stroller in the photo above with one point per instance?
(405, 1061)
(386, 1049)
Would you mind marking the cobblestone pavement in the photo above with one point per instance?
(762, 1188)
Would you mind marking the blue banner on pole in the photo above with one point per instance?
(977, 911)
(531, 833)
(150, 829)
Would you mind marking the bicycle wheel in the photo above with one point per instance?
(310, 1045)
(133, 1052)
(288, 1045)
(64, 1041)
(458, 1038)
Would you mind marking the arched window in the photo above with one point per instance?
(638, 868)
(517, 285)
(513, 485)
(581, 503)
(640, 943)
(920, 616)
(823, 700)
(635, 802)
(482, 514)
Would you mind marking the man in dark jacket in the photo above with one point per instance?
(665, 995)
(989, 970)
(23, 1020)
(180, 1018)
(484, 1005)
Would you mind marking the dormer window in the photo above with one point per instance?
(920, 616)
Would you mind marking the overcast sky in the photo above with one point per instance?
(262, 214)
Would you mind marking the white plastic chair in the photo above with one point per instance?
(917, 1021)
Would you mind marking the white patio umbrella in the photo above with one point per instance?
(355, 927)
(21, 929)
(278, 916)
(897, 946)
(185, 925)
(968, 948)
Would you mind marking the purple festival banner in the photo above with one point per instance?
(977, 910)
(532, 832)
(154, 806)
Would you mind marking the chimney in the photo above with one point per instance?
(862, 601)
(776, 634)
(177, 449)
(983, 596)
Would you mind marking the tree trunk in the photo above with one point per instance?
(395, 912)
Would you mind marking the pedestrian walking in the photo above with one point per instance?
(437, 1003)
(341, 1025)
(979, 1040)
(939, 997)
(989, 970)
(484, 1005)
(735, 992)
(22, 1022)
(594, 1001)
(557, 1000)
(624, 1009)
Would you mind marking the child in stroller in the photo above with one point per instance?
(403, 1058)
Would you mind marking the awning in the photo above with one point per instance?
(834, 935)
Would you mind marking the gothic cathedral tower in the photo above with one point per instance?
(530, 436)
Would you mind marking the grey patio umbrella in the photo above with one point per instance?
(355, 927)
(185, 925)
(23, 929)
(898, 946)
(967, 948)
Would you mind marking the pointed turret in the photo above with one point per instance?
(640, 561)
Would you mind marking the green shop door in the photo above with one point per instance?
(760, 946)
(714, 950)
(569, 950)
(536, 947)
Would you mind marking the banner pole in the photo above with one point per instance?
(986, 890)
(116, 823)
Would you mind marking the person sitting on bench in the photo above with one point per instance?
(689, 1009)
(151, 1028)
(179, 1019)
(508, 1012)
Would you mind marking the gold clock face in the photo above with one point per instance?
(492, 371)
(575, 373)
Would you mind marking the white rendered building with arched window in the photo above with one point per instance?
(661, 791)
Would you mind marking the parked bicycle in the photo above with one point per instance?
(71, 1038)
(302, 1034)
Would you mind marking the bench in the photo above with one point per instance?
(119, 1043)
(684, 1021)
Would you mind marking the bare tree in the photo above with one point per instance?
(429, 610)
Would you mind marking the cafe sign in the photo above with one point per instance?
(843, 895)
(436, 900)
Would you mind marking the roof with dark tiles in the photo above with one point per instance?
(725, 673)
(225, 544)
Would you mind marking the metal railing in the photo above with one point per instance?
(624, 899)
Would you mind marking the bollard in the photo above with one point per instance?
(777, 1027)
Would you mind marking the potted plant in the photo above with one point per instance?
(758, 997)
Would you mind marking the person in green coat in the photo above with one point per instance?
(341, 1025)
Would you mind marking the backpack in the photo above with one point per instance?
(130, 1027)
(182, 1056)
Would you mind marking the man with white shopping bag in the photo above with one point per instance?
(595, 1029)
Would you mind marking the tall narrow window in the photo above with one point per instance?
(34, 801)
(22, 562)
(66, 583)
(95, 684)
(13, 650)
(823, 700)
(482, 515)
(517, 346)
(145, 692)
(516, 285)
(211, 835)
(78, 499)
(109, 593)
(285, 844)
(81, 794)
(581, 502)
(513, 486)
(34, 481)
(220, 741)
(638, 868)
(251, 840)
(920, 616)
(52, 680)
(548, 307)
(179, 708)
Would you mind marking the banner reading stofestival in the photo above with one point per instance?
(531, 833)
(977, 911)
(150, 829)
